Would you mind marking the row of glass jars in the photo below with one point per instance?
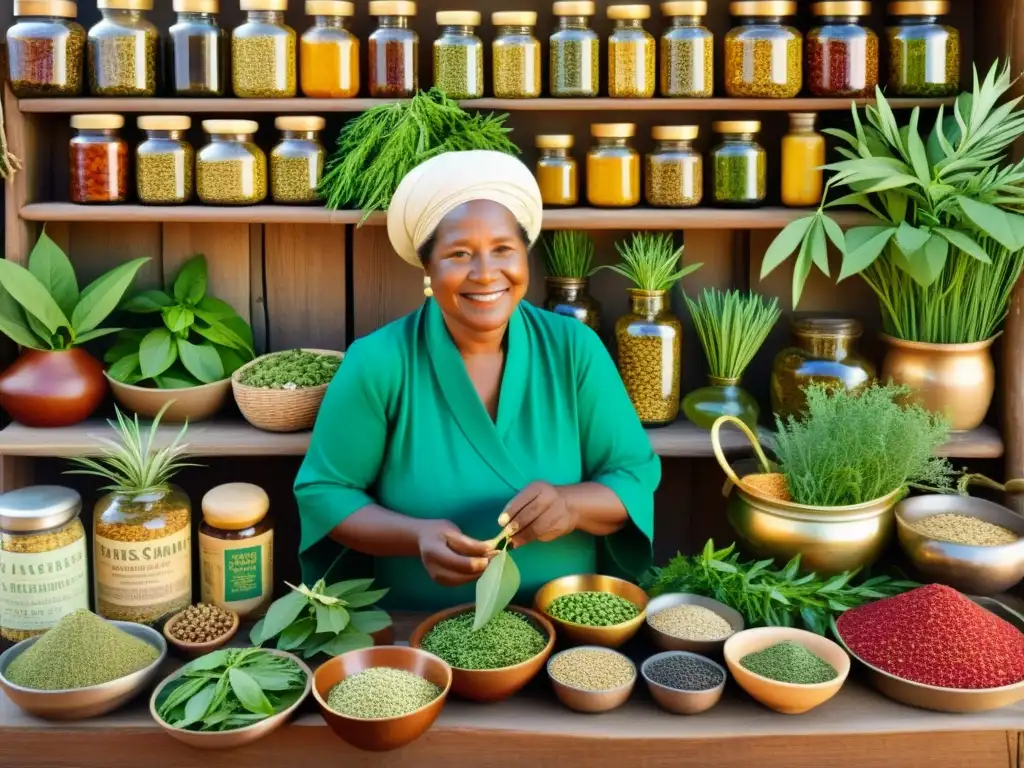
(229, 170)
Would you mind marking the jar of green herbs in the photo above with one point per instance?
(164, 161)
(516, 55)
(687, 51)
(263, 52)
(297, 162)
(122, 50)
(574, 52)
(459, 55)
(924, 54)
(231, 169)
(739, 164)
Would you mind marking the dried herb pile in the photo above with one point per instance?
(294, 369)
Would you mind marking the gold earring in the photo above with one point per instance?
(427, 290)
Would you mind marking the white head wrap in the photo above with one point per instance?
(433, 189)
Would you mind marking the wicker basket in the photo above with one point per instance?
(279, 410)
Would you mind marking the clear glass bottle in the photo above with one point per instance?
(842, 52)
(164, 161)
(574, 51)
(687, 51)
(825, 352)
(394, 50)
(739, 164)
(674, 176)
(649, 356)
(297, 162)
(631, 53)
(45, 49)
(198, 61)
(515, 55)
(459, 55)
(557, 173)
(123, 50)
(263, 52)
(613, 166)
(329, 51)
(98, 160)
(763, 54)
(924, 54)
(571, 297)
(231, 169)
(803, 156)
(721, 397)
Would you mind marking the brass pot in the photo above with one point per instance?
(955, 380)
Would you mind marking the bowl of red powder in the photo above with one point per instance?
(937, 649)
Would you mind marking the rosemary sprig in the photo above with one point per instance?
(650, 261)
(731, 327)
(569, 254)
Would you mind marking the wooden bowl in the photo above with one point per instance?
(488, 685)
(279, 410)
(581, 634)
(80, 703)
(678, 701)
(788, 698)
(189, 650)
(191, 403)
(240, 736)
(669, 642)
(591, 702)
(384, 733)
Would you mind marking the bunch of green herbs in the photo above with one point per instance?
(651, 261)
(731, 327)
(293, 369)
(569, 254)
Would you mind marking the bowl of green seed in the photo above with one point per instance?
(591, 678)
(683, 682)
(591, 609)
(493, 662)
(282, 391)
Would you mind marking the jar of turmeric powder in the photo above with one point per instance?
(613, 166)
(803, 156)
(329, 52)
(556, 170)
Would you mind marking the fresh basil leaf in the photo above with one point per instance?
(190, 284)
(181, 690)
(363, 599)
(177, 318)
(349, 640)
(147, 302)
(249, 693)
(157, 352)
(210, 661)
(201, 360)
(495, 588)
(14, 324)
(215, 308)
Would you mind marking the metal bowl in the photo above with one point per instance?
(583, 700)
(683, 702)
(80, 703)
(669, 642)
(972, 569)
(582, 634)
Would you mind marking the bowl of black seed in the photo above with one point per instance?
(682, 682)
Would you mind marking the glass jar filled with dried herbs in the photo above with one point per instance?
(297, 162)
(459, 55)
(263, 52)
(97, 160)
(575, 51)
(557, 173)
(763, 53)
(45, 49)
(631, 53)
(394, 50)
(123, 50)
(674, 176)
(44, 573)
(231, 169)
(924, 54)
(687, 51)
(329, 52)
(739, 164)
(842, 51)
(164, 161)
(198, 50)
(516, 55)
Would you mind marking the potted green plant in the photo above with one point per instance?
(568, 261)
(186, 357)
(946, 249)
(54, 382)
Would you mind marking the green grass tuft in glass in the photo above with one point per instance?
(731, 327)
(651, 261)
(569, 255)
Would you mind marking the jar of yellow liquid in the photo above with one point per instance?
(557, 174)
(613, 166)
(803, 155)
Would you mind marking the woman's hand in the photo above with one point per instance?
(539, 512)
(450, 557)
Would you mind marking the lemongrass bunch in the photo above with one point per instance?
(651, 261)
(569, 254)
(731, 327)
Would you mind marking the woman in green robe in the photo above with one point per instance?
(476, 413)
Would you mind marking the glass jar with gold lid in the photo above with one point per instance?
(231, 169)
(674, 176)
(557, 173)
(739, 164)
(297, 162)
(632, 53)
(763, 52)
(516, 55)
(924, 53)
(263, 52)
(613, 166)
(687, 51)
(123, 49)
(45, 49)
(394, 50)
(574, 51)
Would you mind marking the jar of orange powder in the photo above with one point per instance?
(557, 174)
(329, 52)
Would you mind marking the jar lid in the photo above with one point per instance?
(164, 122)
(685, 8)
(824, 325)
(763, 8)
(263, 5)
(555, 141)
(38, 508)
(629, 12)
(125, 5)
(458, 18)
(392, 8)
(230, 126)
(674, 132)
(65, 9)
(296, 123)
(570, 8)
(803, 120)
(919, 8)
(514, 18)
(736, 126)
(197, 6)
(235, 506)
(858, 8)
(613, 130)
(330, 8)
(97, 122)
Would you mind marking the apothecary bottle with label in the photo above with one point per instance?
(297, 162)
(263, 52)
(632, 53)
(164, 161)
(45, 49)
(515, 55)
(98, 160)
(557, 171)
(574, 51)
(123, 50)
(674, 174)
(763, 51)
(924, 53)
(394, 50)
(613, 166)
(687, 51)
(329, 51)
(842, 51)
(459, 55)
(231, 169)
(739, 164)
(198, 50)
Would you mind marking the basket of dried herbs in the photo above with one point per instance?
(282, 391)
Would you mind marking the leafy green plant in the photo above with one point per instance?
(731, 327)
(651, 261)
(569, 254)
(765, 595)
(42, 308)
(938, 201)
(229, 689)
(323, 619)
(198, 340)
(497, 585)
(850, 448)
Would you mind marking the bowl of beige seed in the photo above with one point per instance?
(680, 621)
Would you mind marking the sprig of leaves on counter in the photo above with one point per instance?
(323, 619)
(765, 595)
(230, 689)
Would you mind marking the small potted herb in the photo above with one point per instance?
(568, 259)
(282, 391)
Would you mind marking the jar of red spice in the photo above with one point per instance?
(842, 53)
(44, 49)
(98, 160)
(394, 50)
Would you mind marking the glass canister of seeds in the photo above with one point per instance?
(631, 53)
(231, 169)
(613, 166)
(459, 55)
(674, 175)
(123, 50)
(45, 49)
(236, 549)
(164, 161)
(649, 356)
(842, 53)
(516, 55)
(329, 52)
(687, 51)
(924, 54)
(803, 156)
(575, 52)
(394, 50)
(763, 54)
(557, 173)
(739, 164)
(297, 162)
(263, 52)
(44, 573)
(98, 160)
(199, 50)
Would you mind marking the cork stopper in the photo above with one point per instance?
(629, 12)
(64, 9)
(613, 130)
(514, 18)
(296, 123)
(802, 121)
(164, 122)
(330, 8)
(555, 141)
(674, 132)
(230, 126)
(392, 8)
(235, 506)
(97, 122)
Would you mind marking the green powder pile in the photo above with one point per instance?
(381, 692)
(81, 650)
(789, 662)
(506, 640)
(294, 369)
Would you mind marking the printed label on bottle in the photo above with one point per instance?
(38, 589)
(138, 574)
(237, 574)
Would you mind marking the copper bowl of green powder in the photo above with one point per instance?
(83, 667)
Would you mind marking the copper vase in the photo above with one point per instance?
(52, 388)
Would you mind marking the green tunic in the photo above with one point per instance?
(402, 426)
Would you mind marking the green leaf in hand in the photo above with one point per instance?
(495, 588)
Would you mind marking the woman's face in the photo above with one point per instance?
(478, 265)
